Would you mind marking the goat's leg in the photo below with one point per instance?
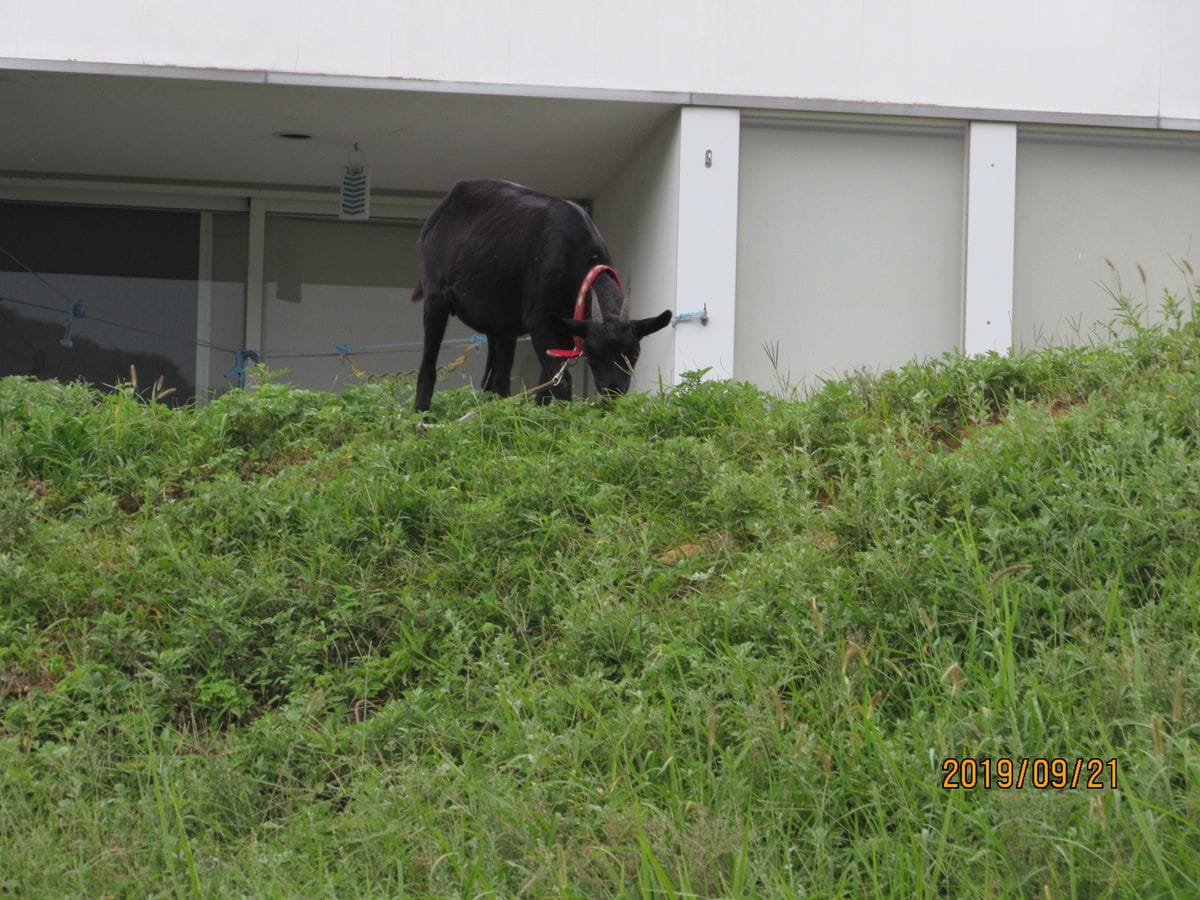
(497, 377)
(550, 365)
(437, 313)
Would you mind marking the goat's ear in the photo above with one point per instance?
(576, 327)
(643, 327)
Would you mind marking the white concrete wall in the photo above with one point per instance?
(638, 214)
(850, 249)
(1109, 57)
(1086, 200)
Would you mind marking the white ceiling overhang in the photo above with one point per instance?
(221, 129)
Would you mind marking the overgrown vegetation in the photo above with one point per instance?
(708, 643)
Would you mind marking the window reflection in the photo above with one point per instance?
(88, 292)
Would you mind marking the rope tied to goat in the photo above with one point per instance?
(555, 381)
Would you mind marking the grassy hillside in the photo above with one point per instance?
(712, 642)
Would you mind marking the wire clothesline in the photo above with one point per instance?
(79, 311)
(244, 357)
(367, 349)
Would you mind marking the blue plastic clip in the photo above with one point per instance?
(240, 368)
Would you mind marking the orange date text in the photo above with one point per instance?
(1039, 772)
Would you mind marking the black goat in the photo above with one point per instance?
(509, 261)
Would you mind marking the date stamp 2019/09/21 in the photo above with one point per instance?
(1039, 772)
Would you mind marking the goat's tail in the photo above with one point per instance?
(419, 294)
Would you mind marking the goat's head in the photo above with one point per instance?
(612, 348)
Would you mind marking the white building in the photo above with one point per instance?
(842, 184)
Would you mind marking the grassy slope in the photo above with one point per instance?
(712, 642)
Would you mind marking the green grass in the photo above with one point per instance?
(712, 642)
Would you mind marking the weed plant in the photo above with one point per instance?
(709, 642)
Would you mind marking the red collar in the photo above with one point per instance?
(581, 308)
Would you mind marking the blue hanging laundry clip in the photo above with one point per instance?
(240, 367)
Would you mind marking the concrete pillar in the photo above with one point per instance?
(991, 236)
(706, 260)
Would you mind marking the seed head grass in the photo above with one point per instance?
(707, 642)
